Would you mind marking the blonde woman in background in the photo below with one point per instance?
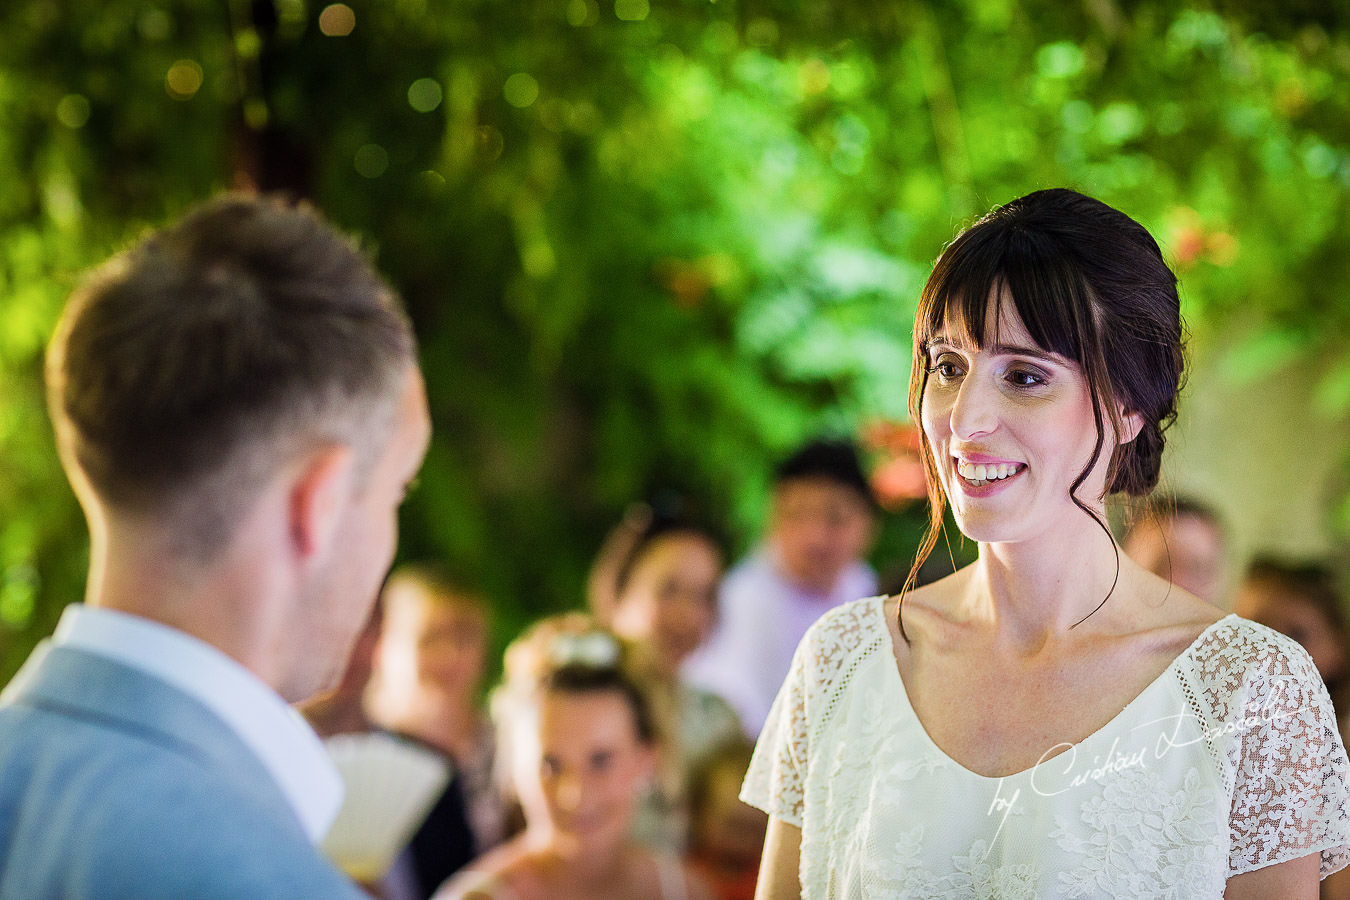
(582, 743)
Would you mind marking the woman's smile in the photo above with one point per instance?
(978, 474)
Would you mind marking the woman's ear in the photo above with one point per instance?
(319, 496)
(1131, 423)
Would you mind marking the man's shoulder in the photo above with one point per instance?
(125, 815)
(103, 802)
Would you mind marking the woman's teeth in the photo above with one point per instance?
(983, 474)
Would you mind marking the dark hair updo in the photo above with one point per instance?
(1090, 284)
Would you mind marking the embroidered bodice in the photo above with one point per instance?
(1229, 761)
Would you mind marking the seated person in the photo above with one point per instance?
(582, 743)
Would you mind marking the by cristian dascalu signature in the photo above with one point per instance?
(1059, 768)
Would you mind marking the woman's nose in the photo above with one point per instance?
(568, 794)
(974, 409)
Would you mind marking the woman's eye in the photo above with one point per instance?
(1024, 378)
(945, 369)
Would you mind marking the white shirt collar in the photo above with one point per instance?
(288, 748)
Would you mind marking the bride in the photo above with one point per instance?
(1052, 720)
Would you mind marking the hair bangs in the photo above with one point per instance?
(955, 301)
(1049, 296)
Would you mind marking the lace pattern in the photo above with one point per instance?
(1260, 778)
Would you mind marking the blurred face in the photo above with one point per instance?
(1301, 620)
(583, 769)
(670, 600)
(340, 596)
(1186, 550)
(433, 645)
(818, 527)
(1010, 427)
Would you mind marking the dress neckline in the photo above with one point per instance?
(932, 745)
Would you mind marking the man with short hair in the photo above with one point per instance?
(821, 525)
(238, 407)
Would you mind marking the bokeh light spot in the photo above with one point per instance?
(813, 77)
(154, 24)
(371, 161)
(183, 80)
(425, 94)
(337, 20)
(1060, 60)
(73, 110)
(631, 10)
(521, 90)
(583, 12)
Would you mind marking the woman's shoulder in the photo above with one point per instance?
(472, 884)
(844, 630)
(850, 620)
(1238, 657)
(1232, 644)
(487, 878)
(677, 879)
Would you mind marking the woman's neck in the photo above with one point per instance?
(591, 866)
(1033, 590)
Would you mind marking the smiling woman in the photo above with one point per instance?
(581, 738)
(1052, 720)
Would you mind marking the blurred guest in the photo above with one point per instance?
(427, 679)
(238, 408)
(821, 524)
(657, 579)
(728, 834)
(1302, 601)
(1181, 540)
(582, 742)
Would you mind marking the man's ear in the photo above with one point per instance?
(319, 494)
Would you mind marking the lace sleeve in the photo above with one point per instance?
(820, 669)
(1290, 794)
(778, 768)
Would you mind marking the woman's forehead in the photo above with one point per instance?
(995, 320)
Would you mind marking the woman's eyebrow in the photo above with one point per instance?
(1033, 352)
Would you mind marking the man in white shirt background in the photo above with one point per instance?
(238, 407)
(821, 524)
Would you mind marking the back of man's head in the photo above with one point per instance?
(189, 369)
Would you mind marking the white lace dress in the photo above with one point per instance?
(1228, 762)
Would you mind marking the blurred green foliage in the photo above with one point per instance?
(649, 245)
